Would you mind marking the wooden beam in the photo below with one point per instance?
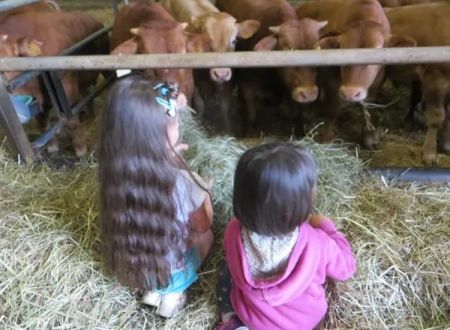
(334, 57)
(10, 123)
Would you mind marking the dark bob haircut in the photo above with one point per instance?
(274, 188)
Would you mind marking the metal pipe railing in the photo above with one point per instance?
(423, 175)
(333, 57)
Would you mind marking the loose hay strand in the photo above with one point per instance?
(51, 275)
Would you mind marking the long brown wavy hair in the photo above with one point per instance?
(137, 176)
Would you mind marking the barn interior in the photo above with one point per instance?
(51, 272)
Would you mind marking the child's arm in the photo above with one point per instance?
(340, 261)
(201, 219)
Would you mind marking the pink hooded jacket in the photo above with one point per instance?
(296, 298)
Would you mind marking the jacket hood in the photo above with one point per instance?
(296, 278)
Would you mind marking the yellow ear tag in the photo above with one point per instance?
(34, 50)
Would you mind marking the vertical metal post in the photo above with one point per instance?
(46, 79)
(10, 123)
(59, 92)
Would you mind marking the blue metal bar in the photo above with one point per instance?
(423, 175)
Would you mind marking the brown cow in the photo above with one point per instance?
(222, 28)
(145, 27)
(280, 30)
(23, 46)
(435, 78)
(353, 24)
(223, 31)
(48, 34)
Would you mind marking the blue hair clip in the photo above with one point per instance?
(168, 94)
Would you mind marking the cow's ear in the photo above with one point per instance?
(184, 25)
(27, 46)
(267, 43)
(328, 43)
(126, 48)
(401, 41)
(135, 31)
(321, 24)
(275, 29)
(248, 28)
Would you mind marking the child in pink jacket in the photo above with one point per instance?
(278, 260)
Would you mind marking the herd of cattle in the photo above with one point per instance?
(180, 26)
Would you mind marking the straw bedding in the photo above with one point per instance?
(50, 266)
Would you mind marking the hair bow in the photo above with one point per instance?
(168, 95)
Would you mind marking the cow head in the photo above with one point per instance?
(25, 46)
(357, 79)
(223, 31)
(295, 34)
(161, 38)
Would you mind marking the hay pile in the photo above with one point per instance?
(401, 239)
(51, 274)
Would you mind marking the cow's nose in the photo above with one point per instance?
(220, 74)
(305, 94)
(353, 93)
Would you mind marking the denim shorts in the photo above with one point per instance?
(181, 279)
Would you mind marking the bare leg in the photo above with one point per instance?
(203, 242)
(168, 305)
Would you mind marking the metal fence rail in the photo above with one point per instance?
(333, 57)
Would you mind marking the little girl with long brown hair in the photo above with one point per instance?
(156, 214)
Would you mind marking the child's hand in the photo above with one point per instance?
(209, 183)
(201, 219)
(316, 219)
(181, 102)
(181, 147)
